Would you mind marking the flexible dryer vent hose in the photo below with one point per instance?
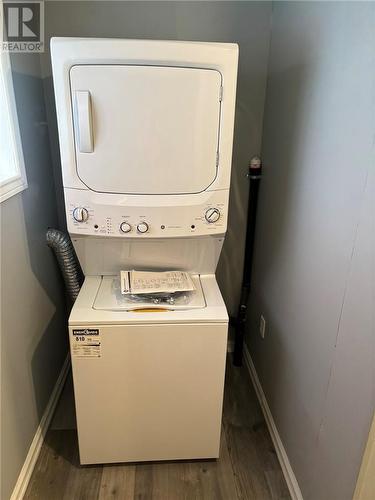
(71, 271)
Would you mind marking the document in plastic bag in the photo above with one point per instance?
(143, 282)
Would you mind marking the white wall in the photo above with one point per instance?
(247, 23)
(314, 258)
(33, 315)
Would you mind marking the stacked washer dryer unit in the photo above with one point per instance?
(146, 131)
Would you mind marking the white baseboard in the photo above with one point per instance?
(290, 478)
(36, 445)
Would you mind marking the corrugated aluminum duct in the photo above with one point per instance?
(71, 271)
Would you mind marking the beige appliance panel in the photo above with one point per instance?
(149, 392)
(146, 129)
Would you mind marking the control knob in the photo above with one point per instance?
(142, 227)
(80, 214)
(212, 215)
(125, 227)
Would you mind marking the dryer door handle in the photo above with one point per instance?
(83, 121)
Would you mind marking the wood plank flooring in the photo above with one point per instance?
(247, 469)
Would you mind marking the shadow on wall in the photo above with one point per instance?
(230, 266)
(39, 208)
(49, 97)
(52, 346)
(275, 217)
(278, 186)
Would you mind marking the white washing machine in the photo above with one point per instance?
(146, 131)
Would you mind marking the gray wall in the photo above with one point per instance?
(314, 258)
(33, 321)
(247, 23)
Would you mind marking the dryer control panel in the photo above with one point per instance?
(87, 216)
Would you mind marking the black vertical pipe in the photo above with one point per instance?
(255, 175)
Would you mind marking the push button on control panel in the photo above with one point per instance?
(142, 227)
(212, 215)
(125, 227)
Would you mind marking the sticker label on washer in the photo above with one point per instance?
(86, 343)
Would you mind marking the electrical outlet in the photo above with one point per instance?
(262, 326)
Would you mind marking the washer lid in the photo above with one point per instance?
(146, 129)
(110, 298)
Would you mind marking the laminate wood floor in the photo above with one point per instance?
(248, 467)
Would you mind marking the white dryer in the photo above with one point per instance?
(146, 130)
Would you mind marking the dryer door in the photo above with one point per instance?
(146, 129)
